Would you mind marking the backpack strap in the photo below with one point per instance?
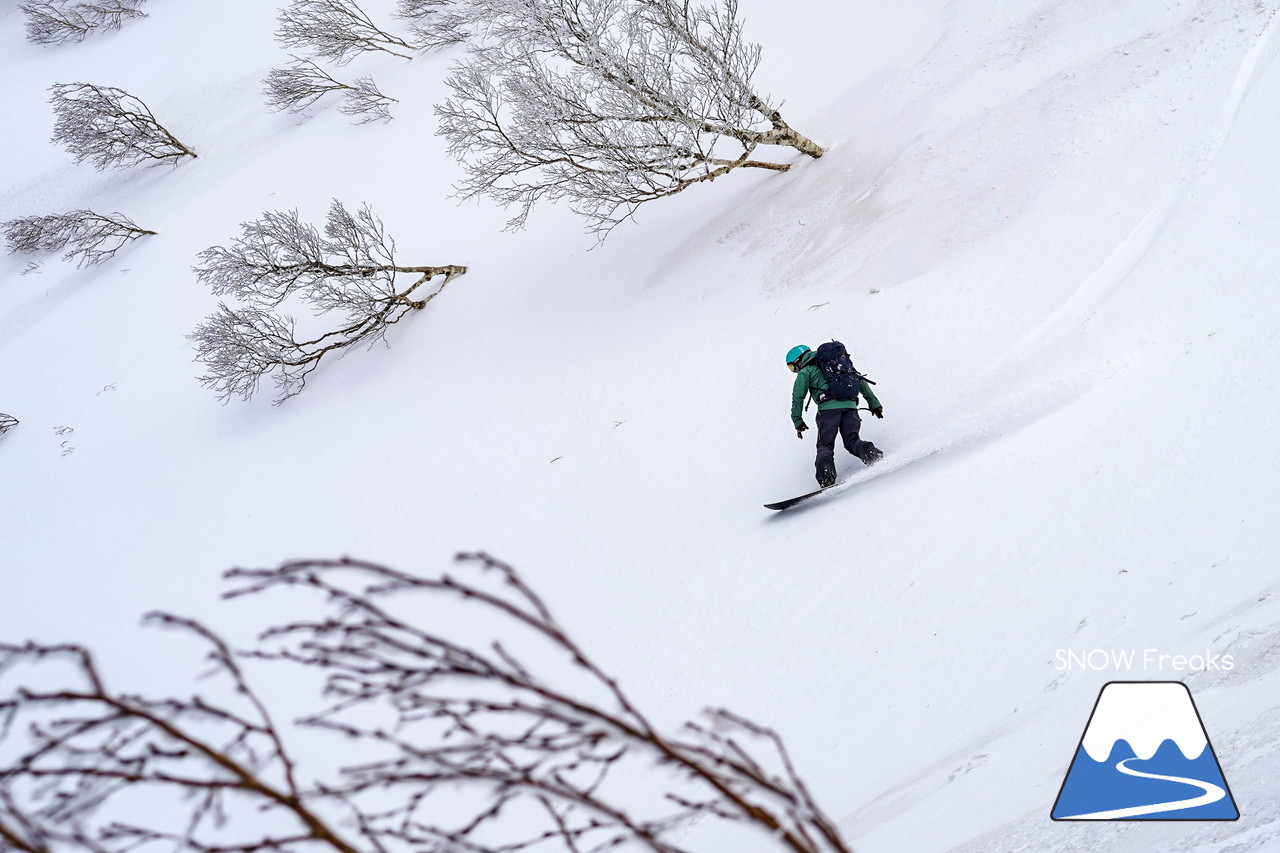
(861, 376)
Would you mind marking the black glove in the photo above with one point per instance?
(878, 411)
(800, 429)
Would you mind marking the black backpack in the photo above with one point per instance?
(843, 379)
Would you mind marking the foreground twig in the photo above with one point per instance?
(555, 754)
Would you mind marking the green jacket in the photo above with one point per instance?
(811, 381)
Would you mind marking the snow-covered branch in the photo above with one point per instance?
(62, 21)
(606, 104)
(89, 238)
(337, 30)
(110, 127)
(364, 103)
(304, 82)
(435, 24)
(350, 270)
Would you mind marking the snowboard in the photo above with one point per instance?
(884, 466)
(790, 502)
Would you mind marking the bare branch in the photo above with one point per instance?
(54, 23)
(337, 30)
(7, 422)
(365, 103)
(514, 728)
(299, 86)
(435, 24)
(110, 127)
(89, 238)
(548, 744)
(349, 270)
(79, 749)
(61, 21)
(304, 82)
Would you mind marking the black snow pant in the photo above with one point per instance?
(846, 423)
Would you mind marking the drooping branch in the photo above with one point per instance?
(61, 21)
(435, 24)
(514, 727)
(350, 270)
(337, 30)
(81, 747)
(304, 82)
(483, 728)
(110, 127)
(299, 86)
(89, 238)
(365, 103)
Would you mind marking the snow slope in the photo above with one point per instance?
(1045, 228)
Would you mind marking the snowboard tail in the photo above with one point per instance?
(790, 502)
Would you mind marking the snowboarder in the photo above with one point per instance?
(838, 413)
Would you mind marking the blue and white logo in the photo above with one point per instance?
(1145, 756)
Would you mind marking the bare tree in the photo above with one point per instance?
(55, 23)
(364, 102)
(435, 24)
(110, 127)
(350, 270)
(337, 30)
(543, 738)
(7, 422)
(89, 238)
(607, 103)
(304, 82)
(61, 21)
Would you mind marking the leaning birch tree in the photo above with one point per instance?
(348, 271)
(109, 127)
(87, 237)
(607, 104)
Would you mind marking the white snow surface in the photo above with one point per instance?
(1046, 228)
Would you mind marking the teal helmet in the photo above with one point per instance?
(793, 356)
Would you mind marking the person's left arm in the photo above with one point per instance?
(870, 396)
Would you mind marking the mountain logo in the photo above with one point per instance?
(1145, 755)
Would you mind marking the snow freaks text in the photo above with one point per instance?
(1149, 660)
